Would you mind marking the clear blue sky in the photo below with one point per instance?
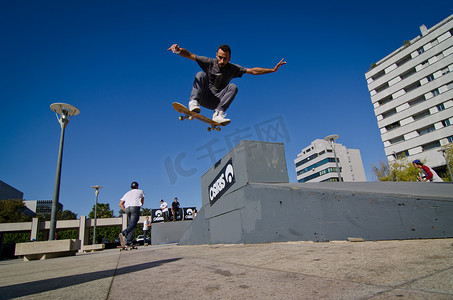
(109, 59)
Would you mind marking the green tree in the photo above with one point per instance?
(145, 211)
(103, 211)
(13, 211)
(397, 170)
(61, 215)
(448, 154)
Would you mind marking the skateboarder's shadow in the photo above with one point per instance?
(144, 266)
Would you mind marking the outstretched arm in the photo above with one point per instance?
(181, 51)
(261, 71)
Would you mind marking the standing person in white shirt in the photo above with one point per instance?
(164, 208)
(146, 226)
(130, 204)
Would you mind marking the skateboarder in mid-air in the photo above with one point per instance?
(212, 88)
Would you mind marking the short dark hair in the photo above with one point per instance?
(225, 48)
(134, 185)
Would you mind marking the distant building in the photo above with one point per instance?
(42, 206)
(412, 93)
(316, 163)
(7, 192)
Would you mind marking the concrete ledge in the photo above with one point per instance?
(92, 248)
(47, 249)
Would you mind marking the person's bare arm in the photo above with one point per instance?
(181, 51)
(261, 71)
(122, 206)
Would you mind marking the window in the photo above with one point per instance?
(435, 92)
(426, 130)
(450, 139)
(385, 100)
(412, 87)
(402, 154)
(378, 75)
(397, 140)
(393, 126)
(306, 159)
(381, 87)
(445, 71)
(404, 60)
(417, 100)
(420, 50)
(389, 113)
(431, 145)
(440, 107)
(430, 78)
(408, 73)
(315, 165)
(421, 115)
(446, 122)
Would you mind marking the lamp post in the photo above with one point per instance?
(64, 113)
(331, 139)
(448, 165)
(96, 192)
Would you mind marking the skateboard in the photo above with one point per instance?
(187, 114)
(123, 244)
(127, 248)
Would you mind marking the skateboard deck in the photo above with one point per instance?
(121, 236)
(187, 114)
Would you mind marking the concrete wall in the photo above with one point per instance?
(168, 232)
(254, 212)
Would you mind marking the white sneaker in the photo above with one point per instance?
(193, 106)
(219, 117)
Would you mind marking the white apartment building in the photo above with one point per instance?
(412, 93)
(316, 163)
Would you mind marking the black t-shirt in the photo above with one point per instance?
(219, 78)
(175, 206)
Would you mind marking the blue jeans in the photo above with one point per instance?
(133, 215)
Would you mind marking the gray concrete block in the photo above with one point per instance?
(260, 206)
(168, 232)
(47, 249)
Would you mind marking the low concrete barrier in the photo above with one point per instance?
(47, 249)
(92, 248)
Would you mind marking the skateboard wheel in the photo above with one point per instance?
(190, 118)
(181, 118)
(209, 128)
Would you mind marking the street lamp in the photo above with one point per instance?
(448, 165)
(64, 113)
(331, 139)
(96, 192)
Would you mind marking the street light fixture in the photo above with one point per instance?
(64, 113)
(448, 165)
(96, 192)
(331, 139)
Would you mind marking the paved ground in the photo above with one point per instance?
(413, 269)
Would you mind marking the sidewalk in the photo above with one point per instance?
(410, 269)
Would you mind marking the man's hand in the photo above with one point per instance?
(262, 71)
(281, 63)
(181, 51)
(175, 49)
